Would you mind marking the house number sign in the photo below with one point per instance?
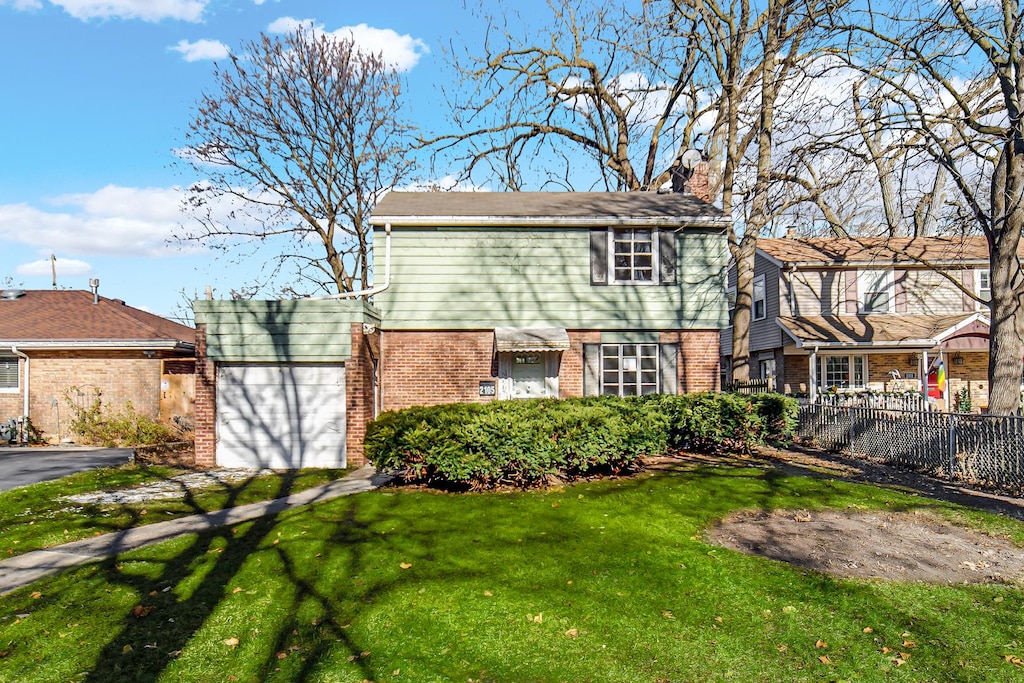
(487, 388)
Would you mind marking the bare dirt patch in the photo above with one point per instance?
(902, 546)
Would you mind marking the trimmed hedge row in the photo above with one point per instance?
(519, 443)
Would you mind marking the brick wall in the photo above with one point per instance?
(359, 391)
(117, 376)
(699, 359)
(206, 404)
(428, 368)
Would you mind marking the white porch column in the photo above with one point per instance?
(814, 375)
(924, 374)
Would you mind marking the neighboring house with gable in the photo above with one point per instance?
(64, 347)
(485, 296)
(865, 313)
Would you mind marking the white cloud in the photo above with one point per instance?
(201, 49)
(114, 220)
(23, 5)
(146, 10)
(66, 267)
(402, 52)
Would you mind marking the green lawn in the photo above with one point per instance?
(39, 516)
(606, 581)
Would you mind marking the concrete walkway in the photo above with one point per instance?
(22, 570)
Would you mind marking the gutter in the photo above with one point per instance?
(15, 351)
(372, 290)
(121, 345)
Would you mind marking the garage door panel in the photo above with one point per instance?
(284, 416)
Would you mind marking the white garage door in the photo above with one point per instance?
(281, 416)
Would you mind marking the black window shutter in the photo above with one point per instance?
(599, 256)
(667, 257)
(591, 369)
(668, 362)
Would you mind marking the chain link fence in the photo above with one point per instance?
(979, 449)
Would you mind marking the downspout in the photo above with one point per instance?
(15, 351)
(372, 290)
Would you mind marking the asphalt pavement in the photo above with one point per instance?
(21, 465)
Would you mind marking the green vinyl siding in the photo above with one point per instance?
(281, 331)
(479, 278)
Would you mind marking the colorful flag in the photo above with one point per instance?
(941, 377)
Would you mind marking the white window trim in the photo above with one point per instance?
(978, 272)
(753, 299)
(657, 367)
(862, 290)
(823, 385)
(655, 259)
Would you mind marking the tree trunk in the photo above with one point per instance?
(1006, 337)
(744, 257)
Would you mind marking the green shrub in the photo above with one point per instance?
(95, 426)
(521, 443)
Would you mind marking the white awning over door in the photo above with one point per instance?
(283, 416)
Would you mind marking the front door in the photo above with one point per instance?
(528, 375)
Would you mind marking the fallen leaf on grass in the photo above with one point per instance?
(824, 659)
(488, 594)
(572, 633)
(139, 611)
(238, 589)
(36, 595)
(821, 643)
(868, 629)
(899, 662)
(405, 565)
(127, 649)
(909, 643)
(1013, 659)
(231, 642)
(667, 614)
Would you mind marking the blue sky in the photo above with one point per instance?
(97, 94)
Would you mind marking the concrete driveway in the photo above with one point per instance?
(22, 466)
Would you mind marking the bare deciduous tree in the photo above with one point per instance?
(297, 142)
(938, 116)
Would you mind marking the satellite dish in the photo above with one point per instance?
(691, 158)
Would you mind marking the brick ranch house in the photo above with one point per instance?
(485, 296)
(64, 347)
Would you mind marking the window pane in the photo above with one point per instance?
(8, 372)
(633, 252)
(629, 369)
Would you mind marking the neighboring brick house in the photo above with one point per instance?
(485, 296)
(65, 347)
(854, 314)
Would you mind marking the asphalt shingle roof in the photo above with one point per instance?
(71, 315)
(877, 329)
(832, 251)
(539, 205)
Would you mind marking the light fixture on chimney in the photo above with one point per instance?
(912, 359)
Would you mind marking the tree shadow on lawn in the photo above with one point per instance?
(340, 571)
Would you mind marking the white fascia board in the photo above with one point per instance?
(104, 344)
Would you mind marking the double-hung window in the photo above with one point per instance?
(984, 280)
(760, 302)
(629, 369)
(876, 288)
(632, 256)
(8, 373)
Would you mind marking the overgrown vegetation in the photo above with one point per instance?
(95, 425)
(522, 443)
